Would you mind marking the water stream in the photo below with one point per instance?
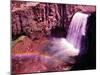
(77, 29)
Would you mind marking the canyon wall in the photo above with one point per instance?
(43, 19)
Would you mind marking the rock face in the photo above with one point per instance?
(29, 18)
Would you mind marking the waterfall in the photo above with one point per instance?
(77, 29)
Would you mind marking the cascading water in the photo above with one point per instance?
(65, 48)
(77, 29)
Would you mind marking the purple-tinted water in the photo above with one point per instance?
(77, 29)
